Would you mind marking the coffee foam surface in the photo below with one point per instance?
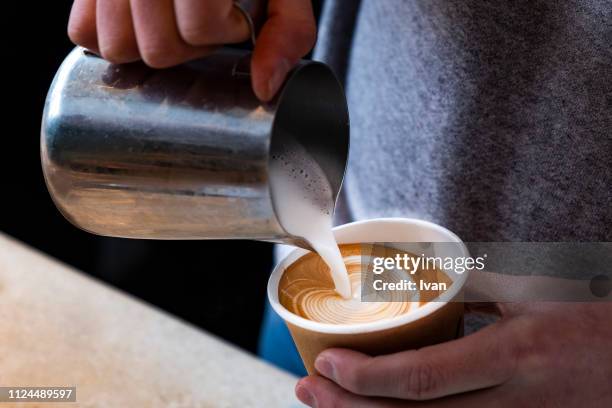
(307, 290)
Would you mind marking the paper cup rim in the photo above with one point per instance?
(379, 325)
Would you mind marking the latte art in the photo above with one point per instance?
(324, 305)
(307, 290)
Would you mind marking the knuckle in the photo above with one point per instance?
(521, 347)
(421, 380)
(158, 56)
(519, 352)
(516, 351)
(115, 54)
(356, 380)
(195, 34)
(199, 29)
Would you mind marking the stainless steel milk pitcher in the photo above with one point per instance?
(182, 153)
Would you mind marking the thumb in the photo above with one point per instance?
(288, 34)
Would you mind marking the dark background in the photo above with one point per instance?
(181, 277)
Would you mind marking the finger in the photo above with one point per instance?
(498, 309)
(116, 38)
(488, 308)
(210, 22)
(288, 34)
(82, 24)
(319, 392)
(483, 359)
(159, 42)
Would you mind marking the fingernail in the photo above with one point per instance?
(325, 367)
(278, 77)
(305, 396)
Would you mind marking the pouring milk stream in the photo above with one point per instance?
(305, 204)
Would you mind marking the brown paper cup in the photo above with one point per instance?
(432, 323)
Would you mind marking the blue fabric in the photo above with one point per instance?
(276, 345)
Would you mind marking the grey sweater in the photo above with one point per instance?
(492, 118)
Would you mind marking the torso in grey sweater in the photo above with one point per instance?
(493, 119)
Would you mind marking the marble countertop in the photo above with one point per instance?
(59, 327)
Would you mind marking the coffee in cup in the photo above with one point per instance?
(307, 290)
(302, 292)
